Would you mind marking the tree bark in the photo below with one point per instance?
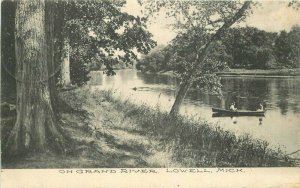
(65, 69)
(52, 69)
(35, 128)
(183, 89)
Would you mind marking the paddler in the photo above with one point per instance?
(261, 107)
(232, 107)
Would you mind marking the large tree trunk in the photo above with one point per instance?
(52, 69)
(65, 69)
(8, 82)
(35, 128)
(183, 89)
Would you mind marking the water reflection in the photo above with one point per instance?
(247, 93)
(281, 93)
(284, 94)
(280, 97)
(260, 121)
(157, 79)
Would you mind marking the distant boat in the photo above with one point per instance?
(219, 112)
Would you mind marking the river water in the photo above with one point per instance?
(280, 97)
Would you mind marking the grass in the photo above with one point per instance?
(196, 143)
(110, 132)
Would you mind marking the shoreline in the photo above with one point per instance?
(109, 132)
(273, 73)
(260, 73)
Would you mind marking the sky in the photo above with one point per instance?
(269, 16)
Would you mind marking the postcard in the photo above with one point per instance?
(145, 93)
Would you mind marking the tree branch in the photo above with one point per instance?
(203, 49)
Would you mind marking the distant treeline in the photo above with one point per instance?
(97, 64)
(247, 48)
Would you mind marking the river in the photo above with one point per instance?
(280, 97)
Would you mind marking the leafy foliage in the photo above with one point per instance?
(287, 48)
(154, 61)
(208, 16)
(250, 48)
(295, 4)
(199, 24)
(247, 47)
(100, 30)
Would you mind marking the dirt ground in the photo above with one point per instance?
(104, 137)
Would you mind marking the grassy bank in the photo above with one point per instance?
(109, 132)
(195, 143)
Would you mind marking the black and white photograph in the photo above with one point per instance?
(147, 84)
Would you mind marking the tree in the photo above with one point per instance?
(96, 29)
(65, 66)
(154, 61)
(8, 82)
(294, 4)
(294, 39)
(287, 47)
(35, 128)
(38, 26)
(249, 47)
(198, 19)
(283, 49)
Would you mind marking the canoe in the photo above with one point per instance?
(223, 112)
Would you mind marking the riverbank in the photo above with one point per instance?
(260, 72)
(246, 72)
(109, 132)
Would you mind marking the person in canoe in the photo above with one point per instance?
(261, 108)
(232, 107)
